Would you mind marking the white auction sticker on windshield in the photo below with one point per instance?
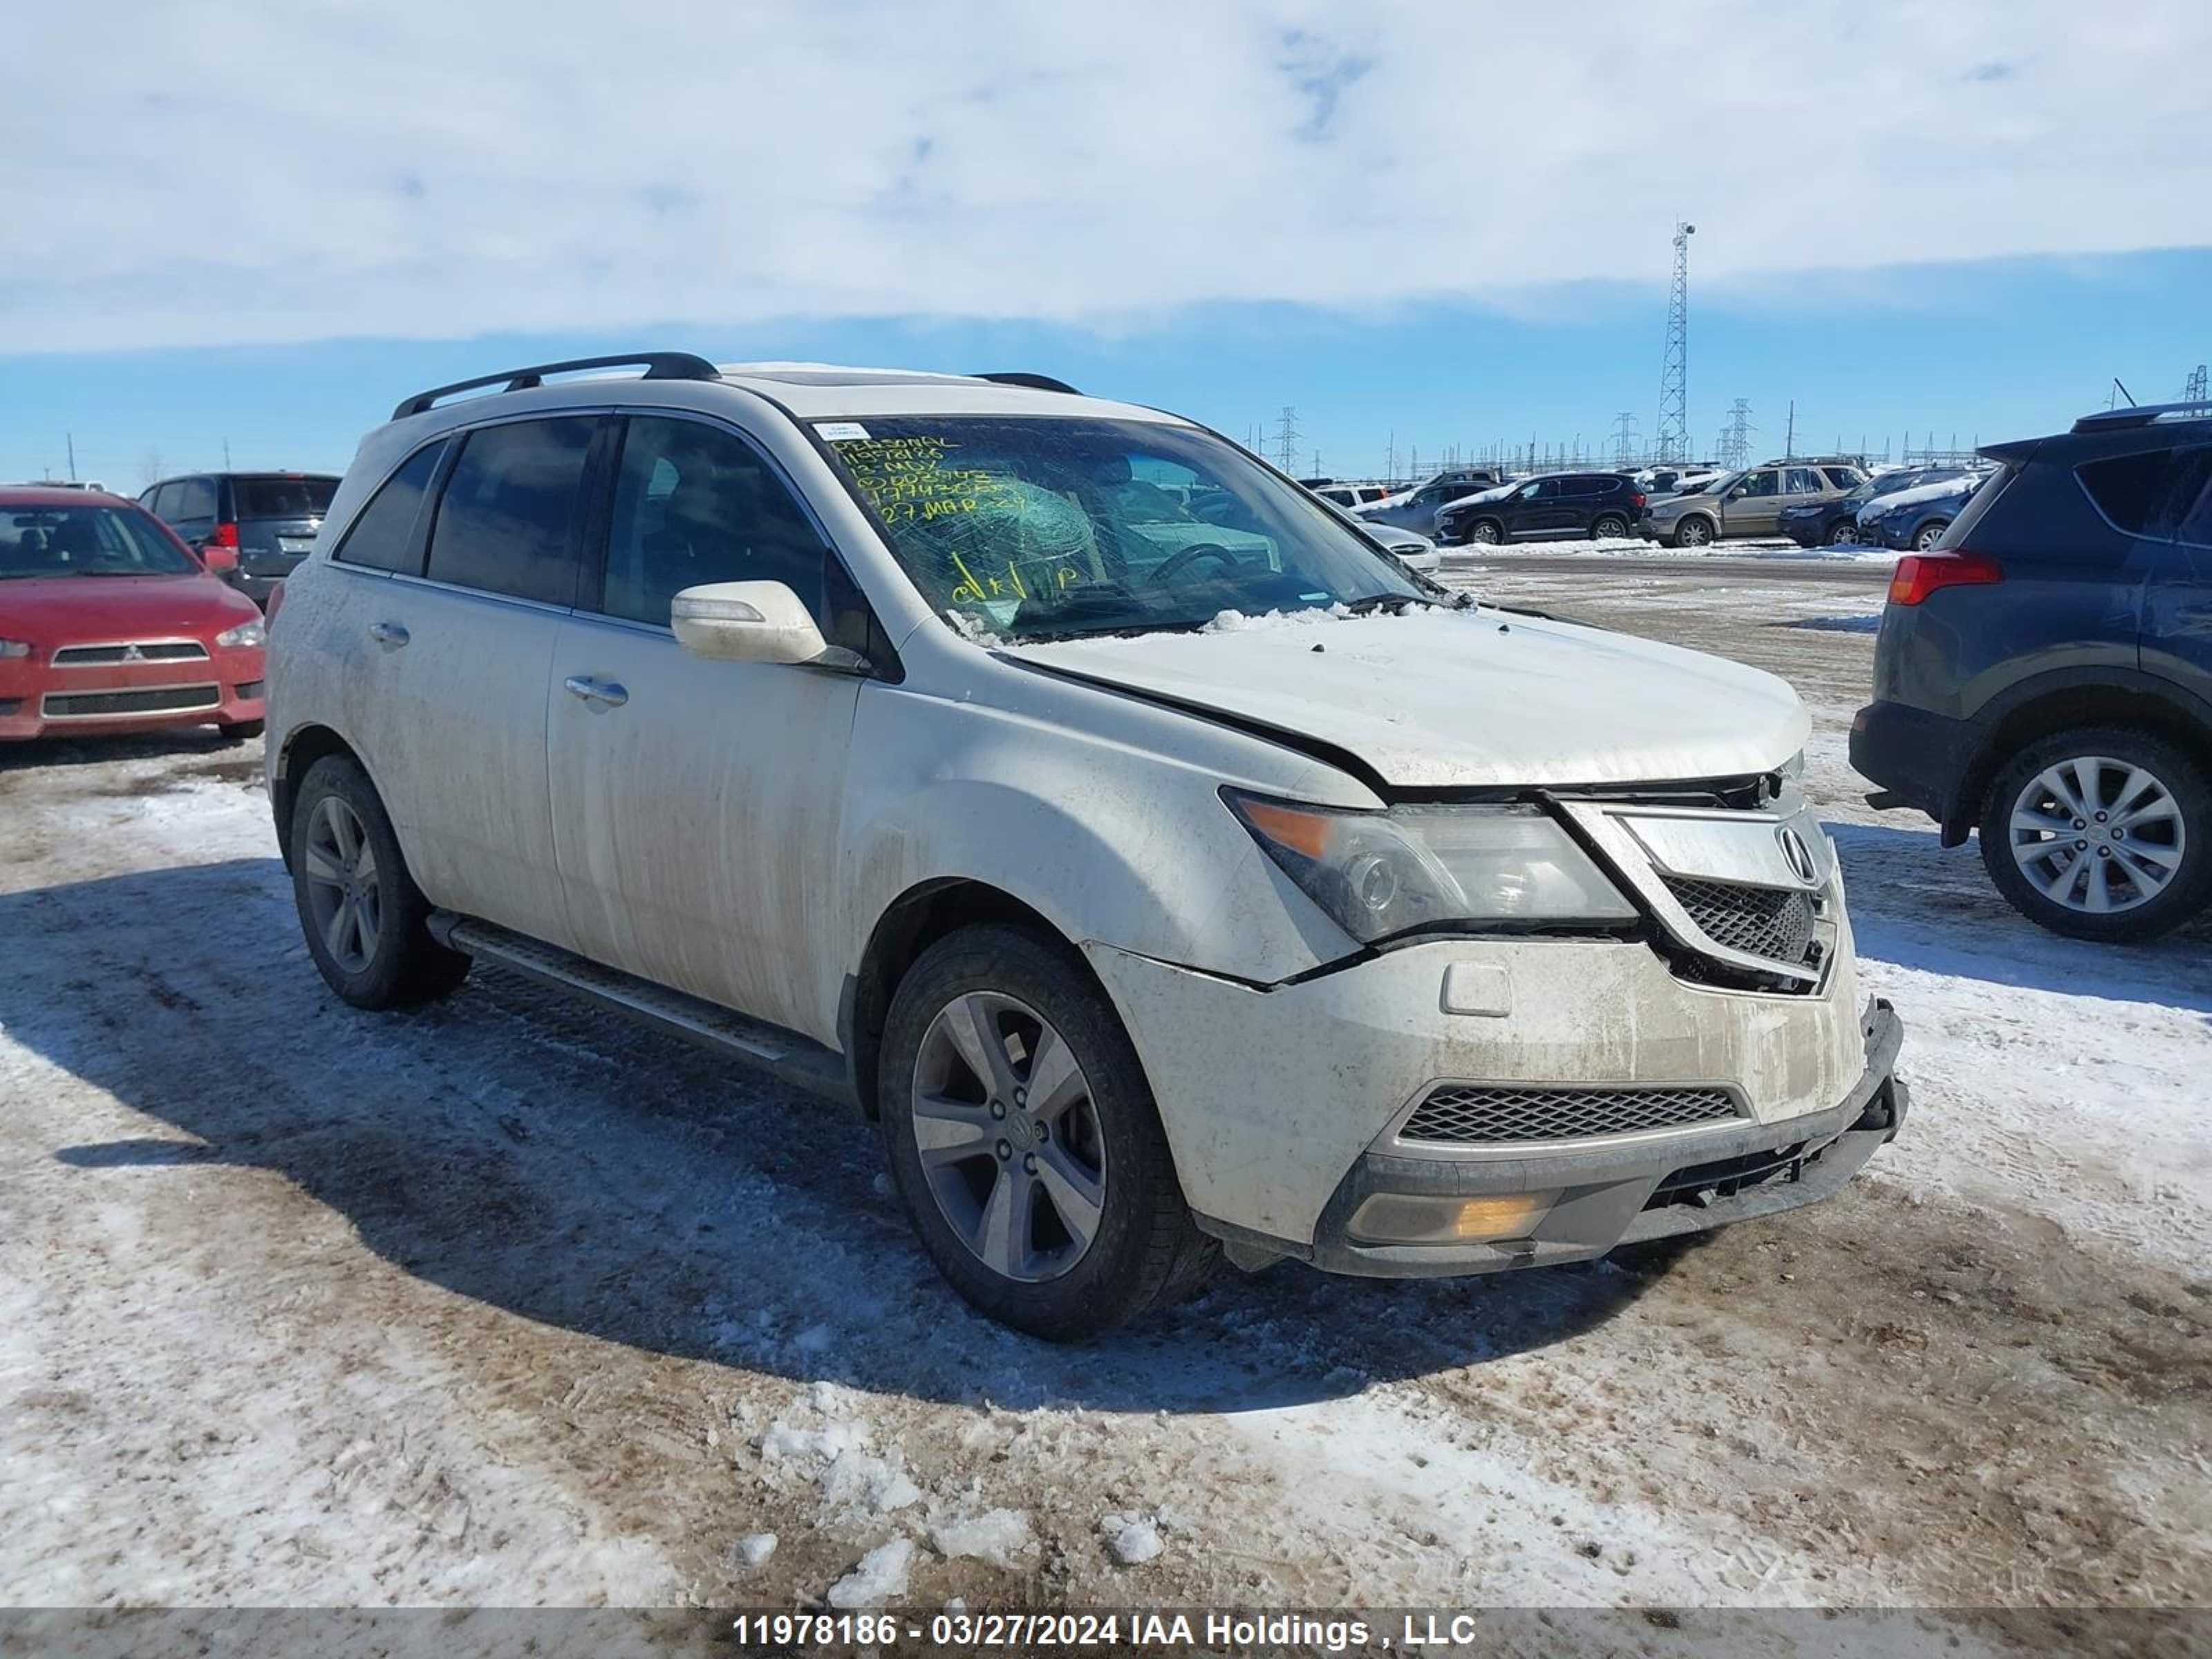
(842, 432)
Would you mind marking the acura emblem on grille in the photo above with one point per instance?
(1797, 855)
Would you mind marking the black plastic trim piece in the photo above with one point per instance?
(659, 366)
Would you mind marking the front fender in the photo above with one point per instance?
(1112, 841)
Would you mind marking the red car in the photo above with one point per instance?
(110, 623)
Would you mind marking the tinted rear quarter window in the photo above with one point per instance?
(383, 538)
(507, 520)
(190, 501)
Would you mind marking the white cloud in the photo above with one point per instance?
(199, 173)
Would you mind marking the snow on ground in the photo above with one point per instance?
(1635, 547)
(506, 1301)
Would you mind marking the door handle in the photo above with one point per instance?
(604, 694)
(385, 632)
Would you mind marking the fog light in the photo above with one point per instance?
(1406, 1218)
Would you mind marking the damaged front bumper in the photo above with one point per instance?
(1625, 1194)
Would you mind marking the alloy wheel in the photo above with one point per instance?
(1009, 1136)
(343, 892)
(1485, 532)
(2098, 836)
(1694, 533)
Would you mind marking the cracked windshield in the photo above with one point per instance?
(1040, 528)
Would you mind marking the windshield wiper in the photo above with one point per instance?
(1377, 601)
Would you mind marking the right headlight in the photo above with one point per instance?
(1378, 874)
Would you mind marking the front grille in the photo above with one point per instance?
(86, 656)
(169, 699)
(1462, 1114)
(1773, 922)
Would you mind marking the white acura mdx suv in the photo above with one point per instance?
(1165, 869)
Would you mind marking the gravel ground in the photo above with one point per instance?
(506, 1301)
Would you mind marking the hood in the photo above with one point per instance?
(55, 610)
(1466, 699)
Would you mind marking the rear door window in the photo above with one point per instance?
(507, 521)
(384, 536)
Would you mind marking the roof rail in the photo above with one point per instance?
(1034, 382)
(659, 366)
(2106, 420)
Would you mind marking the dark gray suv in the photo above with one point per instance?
(268, 518)
(2044, 675)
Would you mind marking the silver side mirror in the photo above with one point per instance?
(746, 621)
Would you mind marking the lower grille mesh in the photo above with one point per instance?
(1458, 1114)
(1773, 922)
(158, 702)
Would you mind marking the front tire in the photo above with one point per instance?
(241, 731)
(1694, 529)
(1023, 1139)
(2102, 834)
(362, 912)
(1843, 534)
(1925, 537)
(1486, 532)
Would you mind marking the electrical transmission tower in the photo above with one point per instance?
(1735, 442)
(2194, 391)
(1674, 441)
(1624, 438)
(1286, 439)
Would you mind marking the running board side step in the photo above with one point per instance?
(795, 1059)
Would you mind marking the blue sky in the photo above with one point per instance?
(1998, 349)
(1965, 218)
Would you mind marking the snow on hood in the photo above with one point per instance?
(1455, 699)
(1878, 505)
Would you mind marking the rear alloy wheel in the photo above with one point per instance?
(1024, 1139)
(1694, 531)
(362, 912)
(1925, 537)
(1486, 531)
(2102, 834)
(1609, 526)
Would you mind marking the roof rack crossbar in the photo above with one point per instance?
(659, 366)
(1034, 382)
(2136, 415)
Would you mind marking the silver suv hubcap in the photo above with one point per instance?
(2098, 835)
(1009, 1137)
(342, 890)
